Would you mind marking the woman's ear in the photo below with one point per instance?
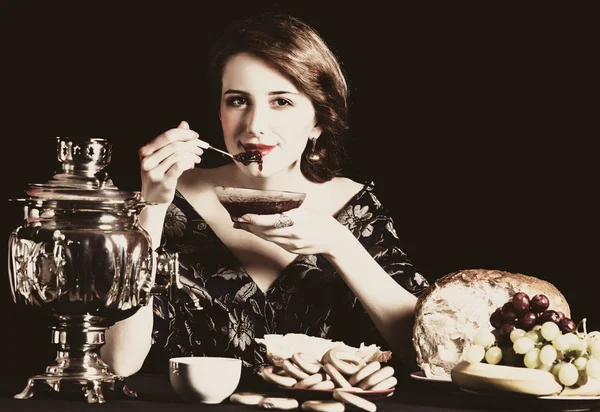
(315, 132)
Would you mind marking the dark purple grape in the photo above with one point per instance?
(496, 333)
(566, 325)
(496, 319)
(509, 357)
(539, 303)
(520, 301)
(561, 316)
(548, 316)
(527, 320)
(509, 312)
(505, 330)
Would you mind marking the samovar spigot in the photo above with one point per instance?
(168, 281)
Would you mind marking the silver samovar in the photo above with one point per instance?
(82, 255)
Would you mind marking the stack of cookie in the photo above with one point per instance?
(342, 372)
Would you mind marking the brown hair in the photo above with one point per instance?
(297, 51)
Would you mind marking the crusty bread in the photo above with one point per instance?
(282, 347)
(459, 304)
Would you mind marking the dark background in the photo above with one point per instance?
(476, 120)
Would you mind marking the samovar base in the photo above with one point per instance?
(92, 387)
(78, 367)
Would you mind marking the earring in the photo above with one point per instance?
(313, 156)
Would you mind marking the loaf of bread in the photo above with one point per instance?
(281, 347)
(459, 304)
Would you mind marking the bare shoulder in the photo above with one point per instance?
(345, 188)
(336, 193)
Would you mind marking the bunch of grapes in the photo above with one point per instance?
(526, 333)
(525, 313)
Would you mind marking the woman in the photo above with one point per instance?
(334, 269)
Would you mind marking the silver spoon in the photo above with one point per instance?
(242, 157)
(205, 145)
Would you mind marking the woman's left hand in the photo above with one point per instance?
(299, 231)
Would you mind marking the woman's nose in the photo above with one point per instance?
(257, 121)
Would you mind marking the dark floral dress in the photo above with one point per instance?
(308, 297)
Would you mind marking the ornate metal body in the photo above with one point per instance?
(81, 254)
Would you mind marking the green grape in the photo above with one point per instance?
(549, 331)
(576, 343)
(580, 363)
(532, 358)
(475, 353)
(516, 334)
(561, 343)
(579, 345)
(523, 345)
(534, 335)
(484, 338)
(592, 369)
(548, 354)
(556, 368)
(594, 348)
(545, 367)
(568, 374)
(493, 355)
(592, 338)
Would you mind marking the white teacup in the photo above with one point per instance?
(204, 379)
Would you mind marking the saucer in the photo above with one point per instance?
(420, 376)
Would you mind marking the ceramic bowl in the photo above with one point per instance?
(204, 379)
(239, 201)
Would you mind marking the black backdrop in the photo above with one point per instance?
(476, 120)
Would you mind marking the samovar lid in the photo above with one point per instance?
(81, 180)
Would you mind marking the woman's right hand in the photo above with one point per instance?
(164, 159)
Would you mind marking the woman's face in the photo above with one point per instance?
(262, 110)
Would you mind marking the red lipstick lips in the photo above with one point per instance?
(263, 149)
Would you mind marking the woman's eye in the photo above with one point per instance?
(281, 102)
(236, 101)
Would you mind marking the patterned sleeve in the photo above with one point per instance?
(167, 328)
(374, 228)
(162, 319)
